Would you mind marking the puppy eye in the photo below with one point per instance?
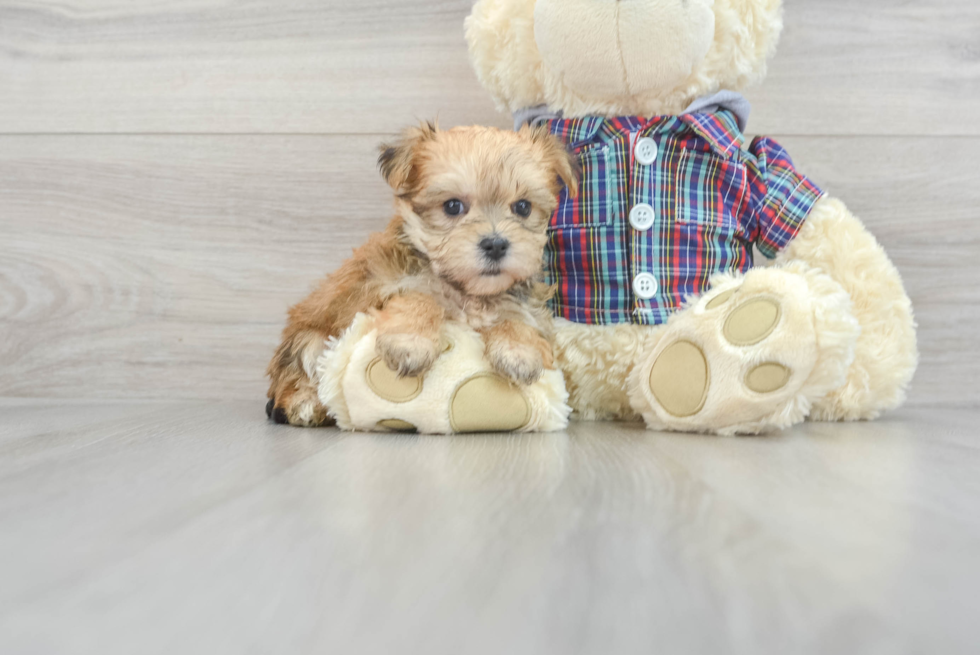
(454, 207)
(522, 208)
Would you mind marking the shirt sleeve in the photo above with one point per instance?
(782, 198)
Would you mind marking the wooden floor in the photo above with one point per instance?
(200, 528)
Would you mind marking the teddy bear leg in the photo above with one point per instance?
(459, 393)
(596, 361)
(886, 356)
(749, 356)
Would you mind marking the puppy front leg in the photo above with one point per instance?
(518, 351)
(409, 327)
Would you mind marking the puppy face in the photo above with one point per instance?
(476, 200)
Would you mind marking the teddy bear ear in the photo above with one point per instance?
(504, 53)
(398, 161)
(561, 160)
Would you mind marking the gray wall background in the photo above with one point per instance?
(175, 173)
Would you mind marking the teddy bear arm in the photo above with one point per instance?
(835, 241)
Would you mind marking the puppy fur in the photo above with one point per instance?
(454, 190)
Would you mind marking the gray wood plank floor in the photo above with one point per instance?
(200, 528)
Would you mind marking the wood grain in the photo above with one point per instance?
(192, 528)
(334, 66)
(162, 266)
(133, 265)
(876, 67)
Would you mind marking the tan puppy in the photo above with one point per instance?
(472, 205)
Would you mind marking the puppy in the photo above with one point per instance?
(472, 205)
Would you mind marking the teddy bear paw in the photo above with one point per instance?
(460, 392)
(750, 356)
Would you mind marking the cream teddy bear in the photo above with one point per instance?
(661, 312)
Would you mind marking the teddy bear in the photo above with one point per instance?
(663, 311)
(702, 283)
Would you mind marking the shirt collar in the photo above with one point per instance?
(719, 119)
(719, 130)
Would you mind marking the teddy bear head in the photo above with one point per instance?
(619, 57)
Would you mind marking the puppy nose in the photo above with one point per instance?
(495, 247)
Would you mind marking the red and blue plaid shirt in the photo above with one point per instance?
(712, 201)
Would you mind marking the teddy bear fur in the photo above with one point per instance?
(565, 55)
(506, 58)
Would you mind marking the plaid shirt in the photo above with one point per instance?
(711, 200)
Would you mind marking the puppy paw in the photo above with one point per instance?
(409, 355)
(302, 409)
(518, 362)
(277, 414)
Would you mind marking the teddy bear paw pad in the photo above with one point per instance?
(386, 384)
(767, 378)
(488, 403)
(720, 299)
(679, 379)
(396, 425)
(752, 321)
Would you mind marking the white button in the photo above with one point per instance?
(645, 286)
(646, 151)
(641, 217)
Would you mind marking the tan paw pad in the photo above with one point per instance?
(397, 425)
(766, 378)
(488, 403)
(752, 322)
(679, 379)
(386, 384)
(720, 299)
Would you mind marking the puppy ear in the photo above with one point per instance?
(398, 161)
(562, 161)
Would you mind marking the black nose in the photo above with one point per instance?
(494, 247)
